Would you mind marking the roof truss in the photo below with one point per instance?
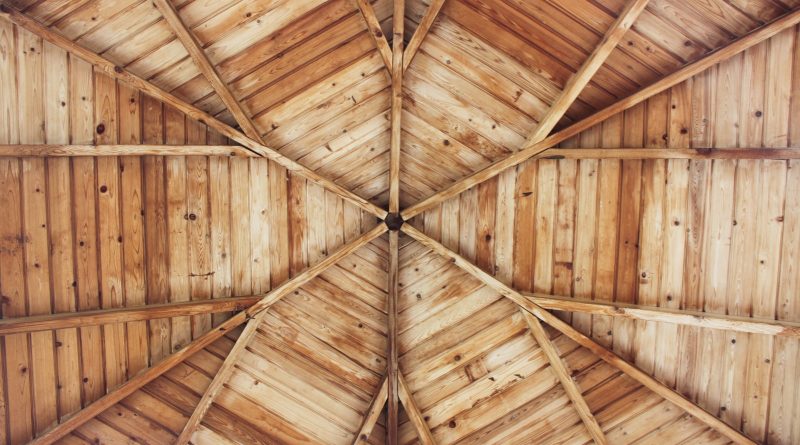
(393, 388)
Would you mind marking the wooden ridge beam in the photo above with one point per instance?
(372, 414)
(565, 377)
(756, 36)
(586, 72)
(208, 70)
(392, 369)
(398, 16)
(193, 112)
(65, 320)
(56, 150)
(601, 351)
(676, 316)
(148, 375)
(421, 32)
(375, 31)
(670, 153)
(414, 414)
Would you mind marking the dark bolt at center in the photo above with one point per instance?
(394, 221)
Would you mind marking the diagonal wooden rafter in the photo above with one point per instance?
(208, 70)
(150, 374)
(65, 320)
(586, 72)
(754, 37)
(55, 150)
(375, 31)
(193, 112)
(676, 316)
(564, 376)
(421, 32)
(372, 414)
(605, 354)
(414, 414)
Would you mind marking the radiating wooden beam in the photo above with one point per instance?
(54, 150)
(193, 112)
(586, 72)
(421, 32)
(66, 320)
(670, 153)
(148, 375)
(414, 414)
(208, 70)
(398, 17)
(375, 31)
(392, 370)
(565, 377)
(756, 36)
(676, 316)
(606, 355)
(372, 414)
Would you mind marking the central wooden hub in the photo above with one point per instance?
(394, 221)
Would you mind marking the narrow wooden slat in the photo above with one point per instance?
(666, 315)
(758, 35)
(669, 153)
(606, 355)
(372, 414)
(375, 31)
(58, 150)
(414, 414)
(201, 342)
(564, 376)
(66, 320)
(397, 106)
(255, 320)
(581, 78)
(392, 370)
(200, 59)
(422, 30)
(104, 65)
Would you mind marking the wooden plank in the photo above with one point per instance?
(670, 153)
(208, 70)
(414, 414)
(586, 72)
(735, 47)
(372, 414)
(201, 342)
(374, 29)
(58, 150)
(421, 32)
(565, 377)
(111, 69)
(605, 354)
(64, 320)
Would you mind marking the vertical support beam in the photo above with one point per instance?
(421, 32)
(398, 18)
(372, 414)
(375, 31)
(564, 376)
(392, 369)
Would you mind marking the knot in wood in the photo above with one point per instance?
(394, 221)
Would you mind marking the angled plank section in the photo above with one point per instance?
(372, 414)
(564, 376)
(581, 78)
(200, 59)
(606, 355)
(374, 27)
(495, 168)
(683, 317)
(422, 30)
(414, 414)
(66, 320)
(56, 150)
(193, 112)
(150, 374)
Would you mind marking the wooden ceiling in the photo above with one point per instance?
(434, 222)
